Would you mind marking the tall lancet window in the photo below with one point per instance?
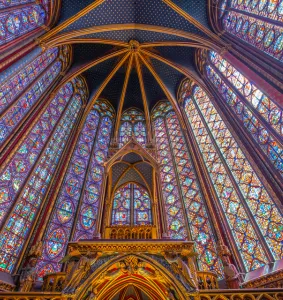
(250, 212)
(259, 115)
(131, 206)
(259, 23)
(22, 19)
(77, 203)
(24, 84)
(132, 124)
(187, 215)
(27, 174)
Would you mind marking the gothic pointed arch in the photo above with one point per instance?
(258, 113)
(258, 24)
(144, 271)
(77, 201)
(25, 84)
(131, 196)
(30, 170)
(186, 212)
(22, 21)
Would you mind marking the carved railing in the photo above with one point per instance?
(31, 296)
(246, 294)
(259, 294)
(122, 232)
(269, 280)
(207, 280)
(53, 282)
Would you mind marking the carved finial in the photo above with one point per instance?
(134, 45)
(222, 249)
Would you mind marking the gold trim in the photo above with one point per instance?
(71, 20)
(193, 21)
(95, 41)
(87, 66)
(165, 90)
(122, 97)
(180, 69)
(144, 100)
(149, 246)
(144, 27)
(103, 85)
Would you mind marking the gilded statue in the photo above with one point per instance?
(79, 270)
(28, 276)
(181, 268)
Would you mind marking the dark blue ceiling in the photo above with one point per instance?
(149, 12)
(142, 36)
(153, 12)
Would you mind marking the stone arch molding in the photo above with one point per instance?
(150, 273)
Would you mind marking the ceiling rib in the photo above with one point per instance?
(180, 69)
(164, 88)
(174, 44)
(91, 64)
(193, 21)
(144, 27)
(144, 99)
(94, 41)
(102, 87)
(71, 20)
(122, 98)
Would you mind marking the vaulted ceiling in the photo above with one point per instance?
(165, 34)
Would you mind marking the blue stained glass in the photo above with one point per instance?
(81, 185)
(245, 21)
(14, 233)
(20, 21)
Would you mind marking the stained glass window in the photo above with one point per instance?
(251, 106)
(176, 166)
(20, 92)
(132, 124)
(121, 212)
(243, 198)
(90, 201)
(125, 133)
(10, 3)
(258, 23)
(20, 21)
(25, 179)
(131, 206)
(76, 206)
(173, 205)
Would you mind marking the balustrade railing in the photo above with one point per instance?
(53, 282)
(123, 232)
(207, 280)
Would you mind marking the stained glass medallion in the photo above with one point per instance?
(19, 21)
(258, 23)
